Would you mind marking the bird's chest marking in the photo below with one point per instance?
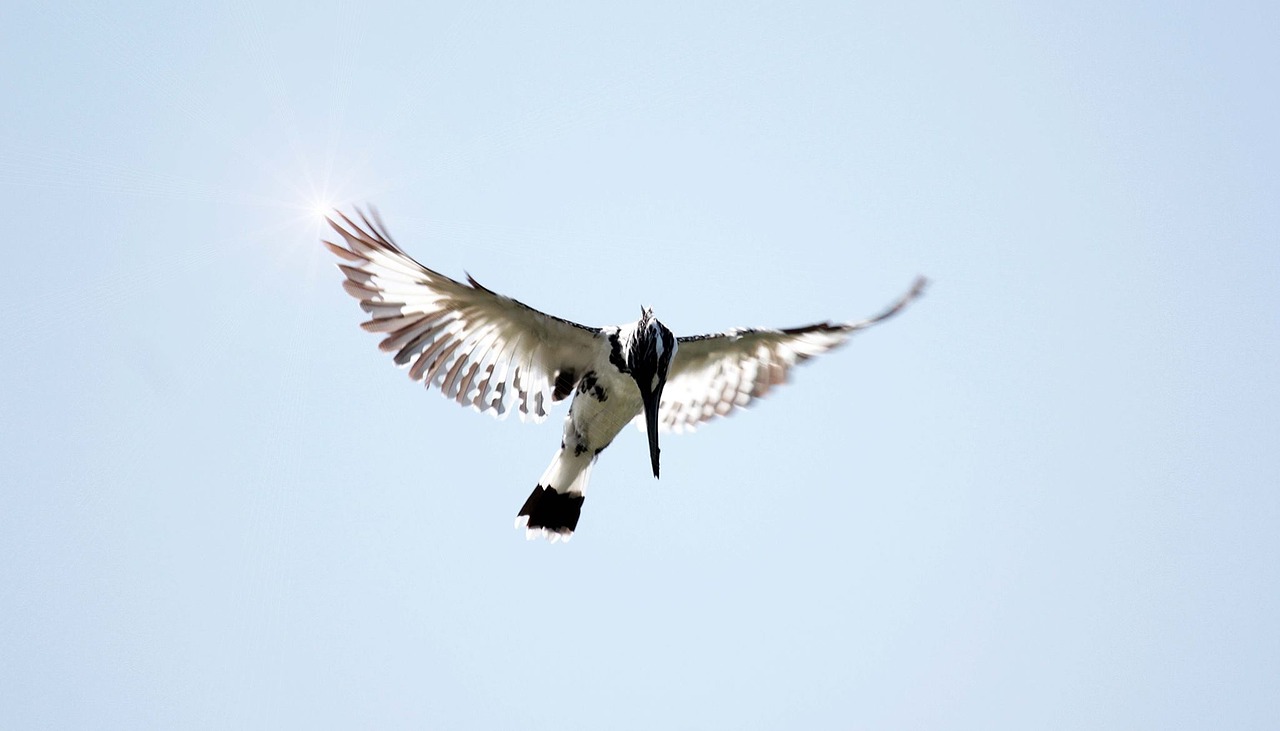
(615, 353)
(590, 384)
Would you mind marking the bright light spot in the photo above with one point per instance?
(320, 208)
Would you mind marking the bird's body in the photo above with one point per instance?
(604, 401)
(493, 353)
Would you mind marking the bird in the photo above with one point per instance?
(495, 354)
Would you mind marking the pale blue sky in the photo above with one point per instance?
(1044, 497)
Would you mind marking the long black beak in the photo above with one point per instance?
(651, 401)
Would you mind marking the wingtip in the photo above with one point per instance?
(918, 286)
(328, 218)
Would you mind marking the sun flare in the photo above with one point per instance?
(320, 208)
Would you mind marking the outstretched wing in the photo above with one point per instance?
(477, 347)
(712, 375)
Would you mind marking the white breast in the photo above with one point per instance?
(600, 421)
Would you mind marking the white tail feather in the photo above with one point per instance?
(567, 473)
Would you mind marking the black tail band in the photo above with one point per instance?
(555, 511)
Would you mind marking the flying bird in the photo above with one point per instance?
(495, 354)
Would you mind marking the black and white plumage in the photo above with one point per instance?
(495, 354)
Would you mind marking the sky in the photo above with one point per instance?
(1045, 496)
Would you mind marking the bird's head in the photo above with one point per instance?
(648, 353)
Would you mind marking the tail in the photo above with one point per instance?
(553, 509)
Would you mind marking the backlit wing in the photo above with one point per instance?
(475, 346)
(712, 375)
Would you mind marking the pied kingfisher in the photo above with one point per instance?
(492, 353)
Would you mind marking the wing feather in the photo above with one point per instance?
(714, 375)
(477, 347)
